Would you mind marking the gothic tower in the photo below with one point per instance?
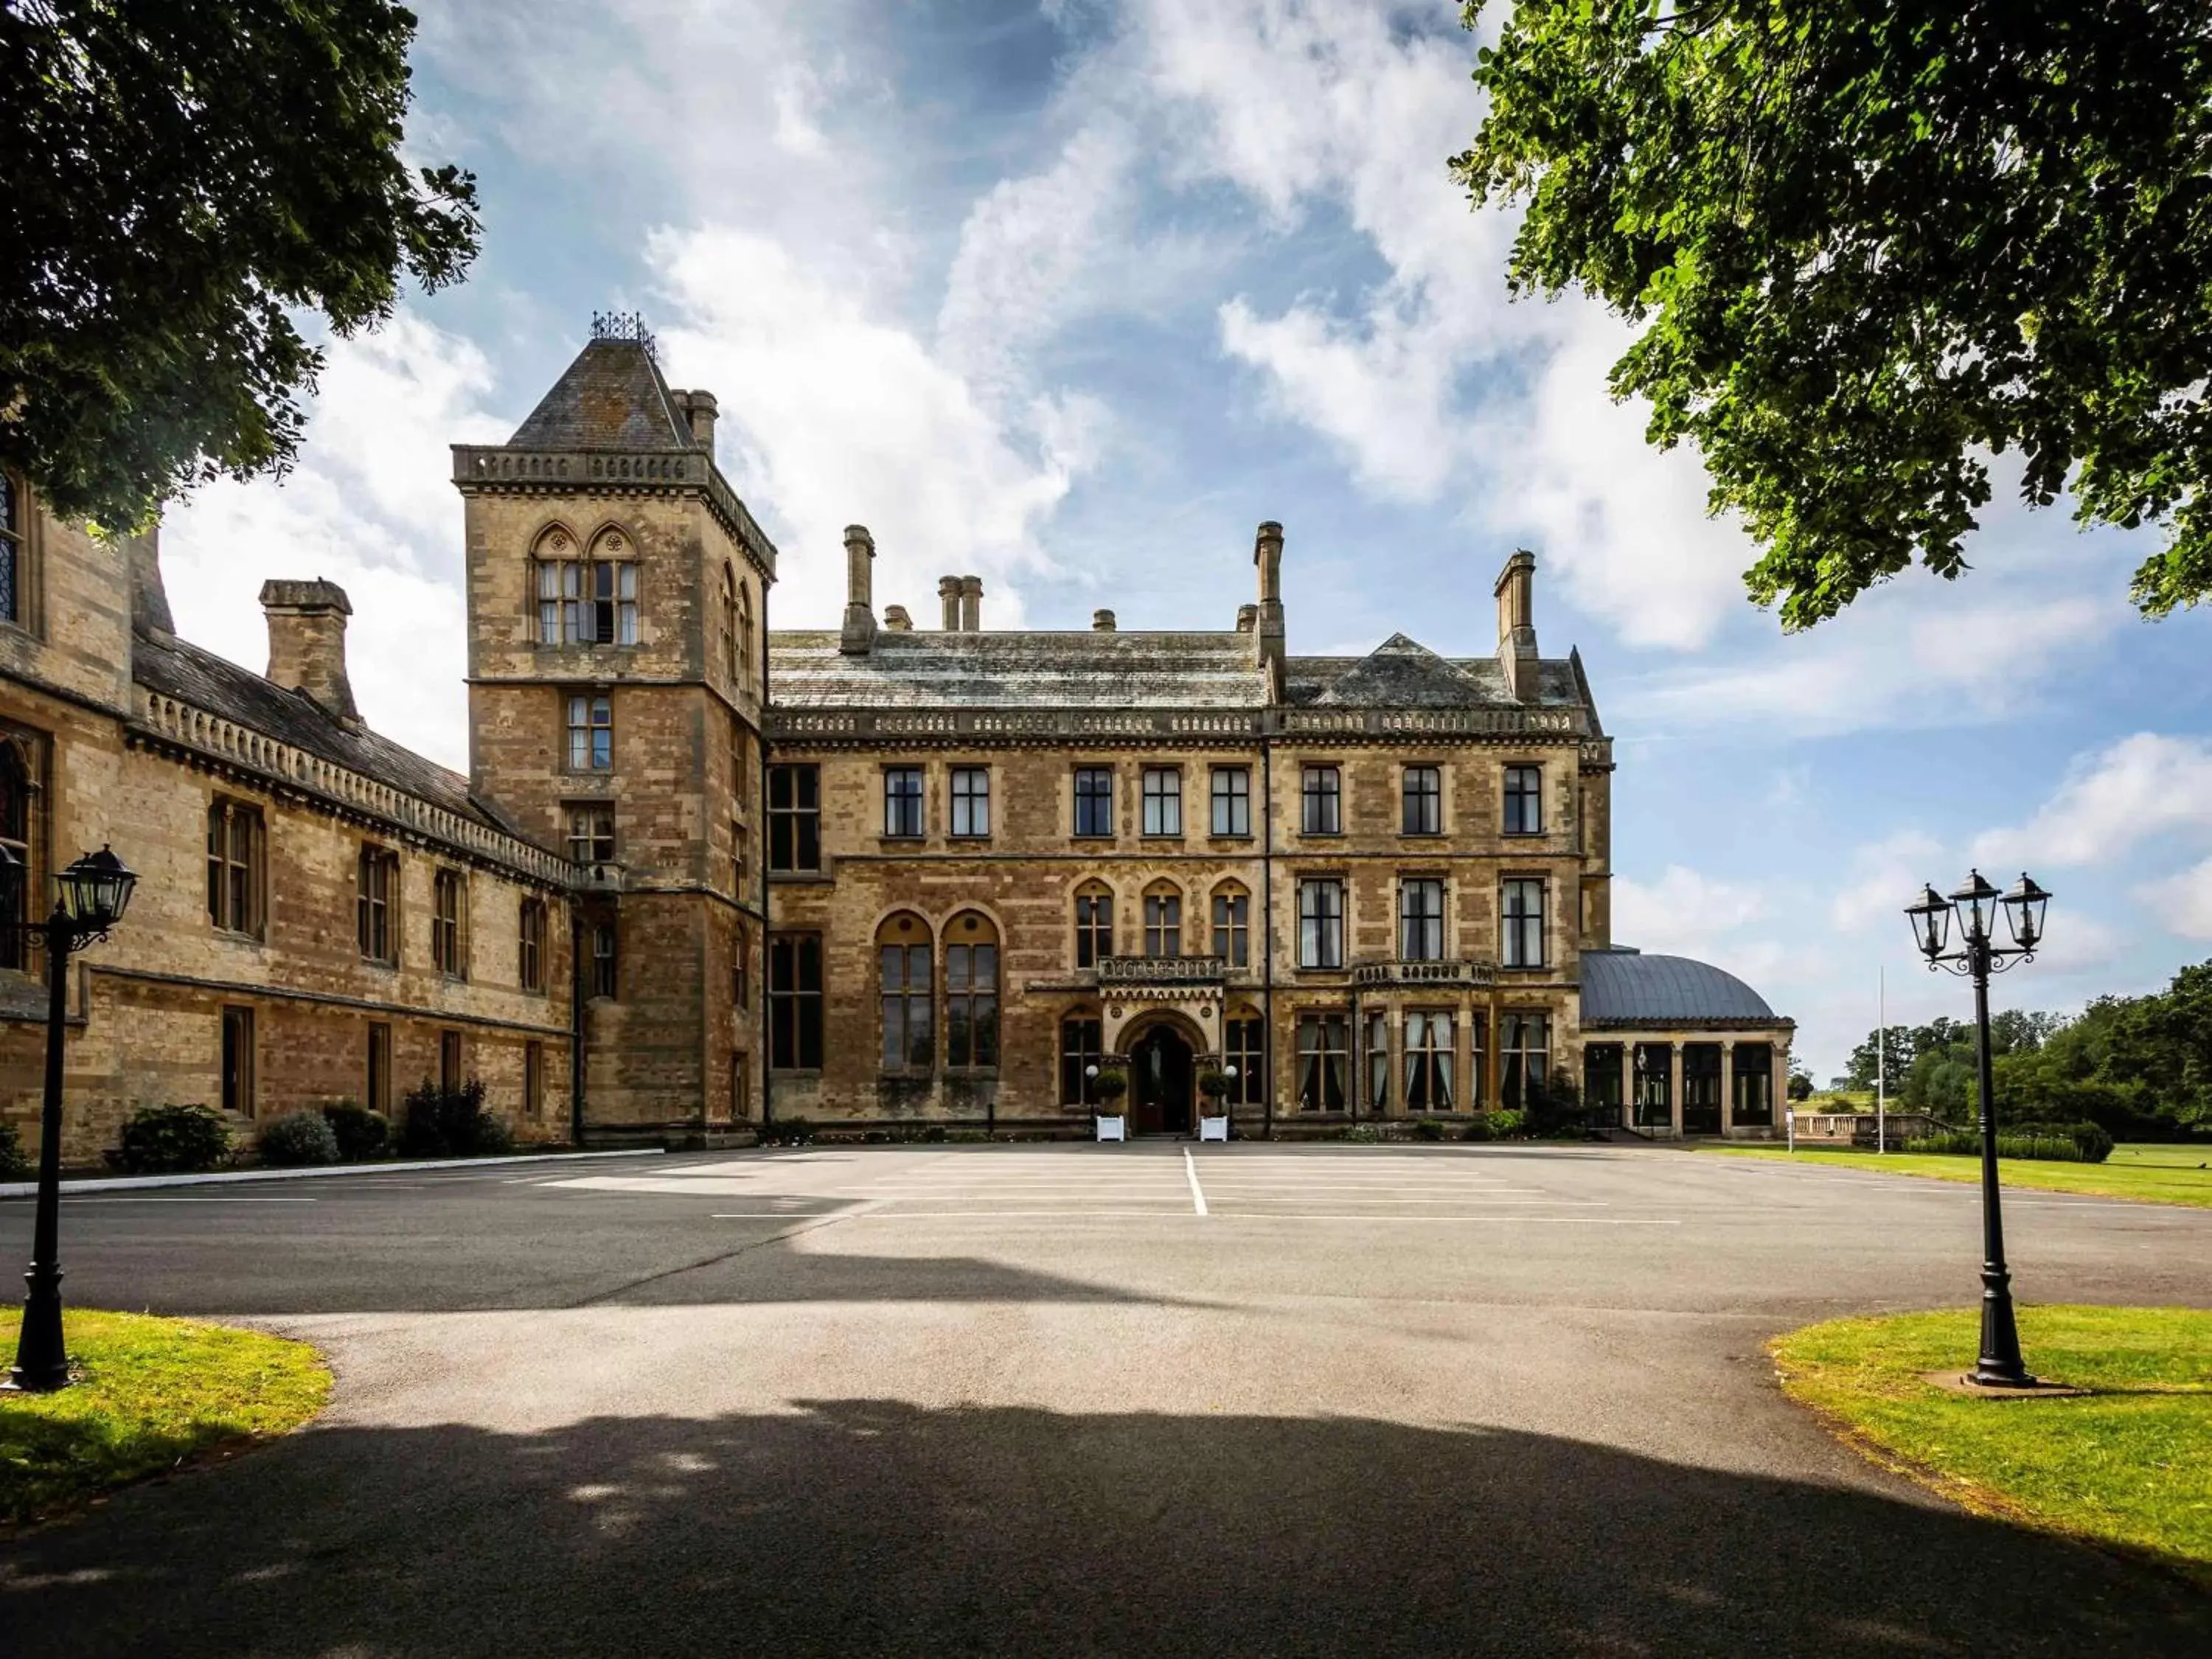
(617, 600)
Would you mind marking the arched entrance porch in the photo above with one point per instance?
(1163, 1077)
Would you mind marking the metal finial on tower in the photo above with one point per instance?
(625, 325)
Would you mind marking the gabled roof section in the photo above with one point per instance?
(612, 397)
(1402, 673)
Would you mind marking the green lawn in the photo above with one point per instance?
(151, 1393)
(2165, 1174)
(2128, 1464)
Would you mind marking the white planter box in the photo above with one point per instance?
(1112, 1128)
(1213, 1128)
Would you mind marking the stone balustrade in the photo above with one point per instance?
(1451, 971)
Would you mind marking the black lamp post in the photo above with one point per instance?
(1976, 906)
(91, 896)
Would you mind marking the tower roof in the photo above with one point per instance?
(612, 397)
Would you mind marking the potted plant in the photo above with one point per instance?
(1213, 1114)
(1108, 1085)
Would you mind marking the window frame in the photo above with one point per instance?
(972, 971)
(449, 921)
(906, 1006)
(1092, 787)
(1321, 926)
(902, 804)
(606, 962)
(1431, 1063)
(1516, 924)
(1515, 1053)
(1523, 799)
(1086, 1047)
(1321, 799)
(376, 1068)
(238, 1063)
(969, 786)
(1413, 914)
(533, 1077)
(1245, 1047)
(795, 1009)
(15, 551)
(590, 831)
(376, 900)
(794, 827)
(1236, 799)
(238, 882)
(1313, 1058)
(1160, 798)
(452, 1060)
(1375, 1050)
(1162, 923)
(530, 944)
(1421, 800)
(590, 748)
(1231, 905)
(1094, 934)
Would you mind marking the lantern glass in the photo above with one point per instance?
(95, 890)
(1980, 900)
(1932, 923)
(2023, 907)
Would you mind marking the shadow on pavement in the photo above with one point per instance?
(873, 1527)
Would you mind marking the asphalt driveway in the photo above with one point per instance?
(1246, 1399)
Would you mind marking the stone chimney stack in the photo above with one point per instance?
(150, 600)
(896, 621)
(306, 643)
(1101, 621)
(702, 411)
(1248, 618)
(1268, 633)
(860, 630)
(1516, 626)
(971, 604)
(948, 595)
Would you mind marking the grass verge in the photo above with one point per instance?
(2128, 1464)
(151, 1394)
(2158, 1174)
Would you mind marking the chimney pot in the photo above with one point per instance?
(1248, 618)
(971, 604)
(896, 620)
(1268, 632)
(1101, 621)
(858, 632)
(948, 595)
(701, 410)
(306, 643)
(1517, 625)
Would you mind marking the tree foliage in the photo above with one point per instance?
(188, 183)
(1869, 241)
(2141, 1066)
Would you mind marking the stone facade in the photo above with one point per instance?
(875, 875)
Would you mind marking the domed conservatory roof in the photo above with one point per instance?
(1623, 987)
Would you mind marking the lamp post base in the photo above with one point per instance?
(2000, 1366)
(41, 1359)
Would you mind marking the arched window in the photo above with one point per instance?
(1162, 921)
(559, 587)
(614, 589)
(15, 884)
(971, 992)
(1094, 924)
(903, 953)
(729, 622)
(1232, 924)
(744, 633)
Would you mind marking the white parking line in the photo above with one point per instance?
(1197, 1193)
(106, 1199)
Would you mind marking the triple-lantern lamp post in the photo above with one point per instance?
(1974, 905)
(90, 898)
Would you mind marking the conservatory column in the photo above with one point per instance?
(1675, 1086)
(1727, 1087)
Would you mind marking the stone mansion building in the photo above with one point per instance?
(702, 873)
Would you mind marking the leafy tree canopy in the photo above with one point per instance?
(186, 183)
(1871, 241)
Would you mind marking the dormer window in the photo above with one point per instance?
(585, 600)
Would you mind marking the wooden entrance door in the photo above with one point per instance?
(1160, 1075)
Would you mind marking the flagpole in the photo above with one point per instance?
(1881, 1061)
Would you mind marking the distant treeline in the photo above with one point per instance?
(2141, 1067)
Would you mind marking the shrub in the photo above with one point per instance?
(1213, 1084)
(1366, 1133)
(361, 1133)
(1110, 1086)
(173, 1140)
(1478, 1130)
(788, 1131)
(443, 1122)
(2062, 1148)
(1508, 1125)
(1427, 1128)
(301, 1138)
(15, 1162)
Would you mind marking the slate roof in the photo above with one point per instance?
(1627, 989)
(1089, 669)
(180, 669)
(612, 397)
(1018, 669)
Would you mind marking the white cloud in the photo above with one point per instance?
(1711, 919)
(371, 507)
(2183, 901)
(2139, 787)
(1886, 876)
(835, 414)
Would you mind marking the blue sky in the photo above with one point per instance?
(1074, 294)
